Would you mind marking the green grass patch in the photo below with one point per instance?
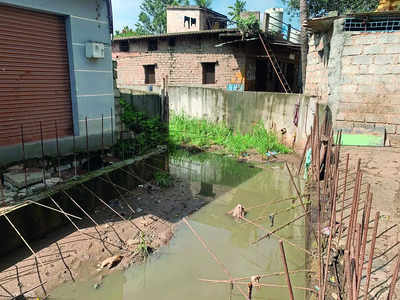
(202, 133)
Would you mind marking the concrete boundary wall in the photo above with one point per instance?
(241, 110)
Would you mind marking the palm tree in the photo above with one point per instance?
(304, 44)
(204, 3)
(235, 10)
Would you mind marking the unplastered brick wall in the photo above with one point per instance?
(358, 75)
(182, 62)
(371, 80)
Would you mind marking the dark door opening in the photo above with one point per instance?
(262, 71)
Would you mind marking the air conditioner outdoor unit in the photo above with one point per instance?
(94, 50)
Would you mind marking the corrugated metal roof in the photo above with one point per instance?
(177, 34)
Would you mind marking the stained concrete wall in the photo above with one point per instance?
(241, 110)
(358, 75)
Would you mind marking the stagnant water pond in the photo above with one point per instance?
(174, 271)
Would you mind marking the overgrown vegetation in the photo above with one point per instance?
(163, 179)
(201, 133)
(145, 133)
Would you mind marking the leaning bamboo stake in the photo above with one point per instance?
(270, 285)
(371, 255)
(22, 238)
(109, 207)
(394, 278)
(53, 209)
(304, 154)
(284, 262)
(80, 230)
(212, 255)
(8, 292)
(281, 227)
(277, 236)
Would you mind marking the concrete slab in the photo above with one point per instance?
(18, 179)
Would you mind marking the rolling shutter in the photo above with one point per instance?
(34, 76)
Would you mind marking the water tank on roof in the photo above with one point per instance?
(275, 20)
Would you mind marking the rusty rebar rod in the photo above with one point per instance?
(24, 157)
(344, 196)
(87, 143)
(58, 150)
(394, 277)
(284, 262)
(364, 238)
(348, 274)
(300, 199)
(371, 254)
(43, 159)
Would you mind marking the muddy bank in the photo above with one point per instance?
(71, 255)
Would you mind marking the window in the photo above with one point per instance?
(153, 45)
(208, 73)
(124, 46)
(171, 42)
(150, 74)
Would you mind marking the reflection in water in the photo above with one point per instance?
(174, 271)
(206, 190)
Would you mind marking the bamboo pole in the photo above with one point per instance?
(277, 236)
(53, 209)
(204, 244)
(22, 238)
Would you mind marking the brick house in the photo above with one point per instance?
(212, 56)
(354, 67)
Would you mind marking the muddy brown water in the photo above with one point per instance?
(174, 271)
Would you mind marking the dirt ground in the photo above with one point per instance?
(77, 255)
(381, 168)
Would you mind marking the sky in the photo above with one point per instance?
(126, 12)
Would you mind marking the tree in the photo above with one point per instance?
(153, 18)
(318, 8)
(304, 12)
(125, 32)
(203, 3)
(238, 7)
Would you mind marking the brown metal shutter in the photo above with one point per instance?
(34, 76)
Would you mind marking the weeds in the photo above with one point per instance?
(202, 133)
(163, 179)
(143, 247)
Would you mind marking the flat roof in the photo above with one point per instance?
(194, 7)
(178, 34)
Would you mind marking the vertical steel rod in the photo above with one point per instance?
(394, 278)
(74, 151)
(24, 156)
(344, 196)
(58, 150)
(283, 256)
(371, 255)
(102, 135)
(348, 274)
(43, 162)
(112, 128)
(87, 143)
